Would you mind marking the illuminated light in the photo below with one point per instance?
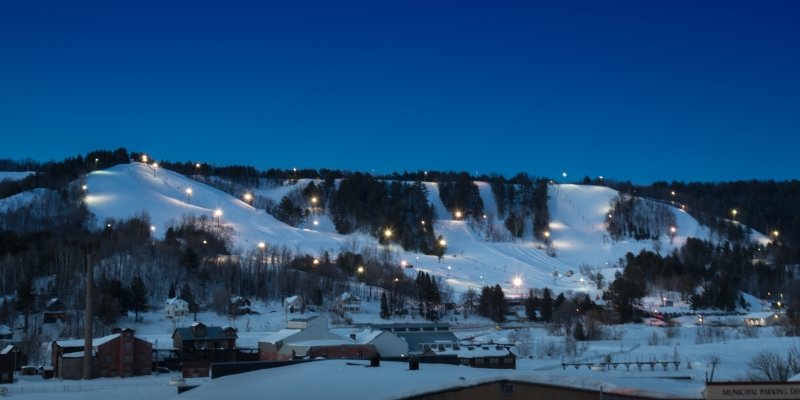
(449, 268)
(316, 261)
(547, 234)
(84, 187)
(517, 281)
(360, 269)
(458, 214)
(564, 174)
(197, 165)
(262, 245)
(248, 197)
(484, 216)
(152, 228)
(387, 233)
(423, 222)
(218, 213)
(403, 263)
(316, 222)
(442, 243)
(144, 158)
(314, 200)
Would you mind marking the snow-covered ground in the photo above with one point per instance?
(577, 229)
(14, 175)
(685, 343)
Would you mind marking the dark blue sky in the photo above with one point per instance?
(640, 90)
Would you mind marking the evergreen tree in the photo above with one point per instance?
(25, 298)
(138, 299)
(171, 294)
(532, 303)
(384, 306)
(547, 306)
(188, 297)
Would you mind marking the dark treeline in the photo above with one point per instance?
(766, 206)
(519, 198)
(722, 270)
(57, 175)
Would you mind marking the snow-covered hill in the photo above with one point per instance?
(577, 229)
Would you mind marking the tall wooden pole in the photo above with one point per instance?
(88, 318)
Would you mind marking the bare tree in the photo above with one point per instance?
(771, 366)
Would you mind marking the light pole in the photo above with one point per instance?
(218, 215)
(155, 166)
(734, 212)
(189, 195)
(517, 282)
(672, 231)
(248, 198)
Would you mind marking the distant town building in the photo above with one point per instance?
(117, 355)
(200, 345)
(420, 335)
(55, 310)
(176, 307)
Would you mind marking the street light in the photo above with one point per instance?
(734, 212)
(155, 166)
(218, 215)
(517, 282)
(672, 231)
(188, 195)
(442, 243)
(144, 158)
(360, 269)
(387, 233)
(248, 198)
(458, 214)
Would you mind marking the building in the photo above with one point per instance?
(176, 307)
(11, 359)
(55, 310)
(239, 305)
(420, 336)
(316, 321)
(117, 355)
(278, 346)
(764, 318)
(477, 356)
(200, 345)
(386, 343)
(348, 303)
(329, 348)
(293, 304)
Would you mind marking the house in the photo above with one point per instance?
(176, 307)
(418, 335)
(11, 359)
(348, 303)
(477, 356)
(386, 343)
(117, 355)
(200, 345)
(764, 318)
(293, 304)
(239, 305)
(55, 310)
(6, 333)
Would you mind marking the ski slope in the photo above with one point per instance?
(577, 229)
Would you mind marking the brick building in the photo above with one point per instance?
(118, 355)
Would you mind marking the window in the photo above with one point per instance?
(428, 329)
(494, 361)
(506, 388)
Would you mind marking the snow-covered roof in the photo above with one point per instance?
(80, 342)
(4, 330)
(291, 300)
(322, 342)
(176, 300)
(279, 335)
(759, 315)
(489, 350)
(7, 349)
(337, 379)
(367, 336)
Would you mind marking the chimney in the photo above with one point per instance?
(353, 336)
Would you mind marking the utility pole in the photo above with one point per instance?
(88, 318)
